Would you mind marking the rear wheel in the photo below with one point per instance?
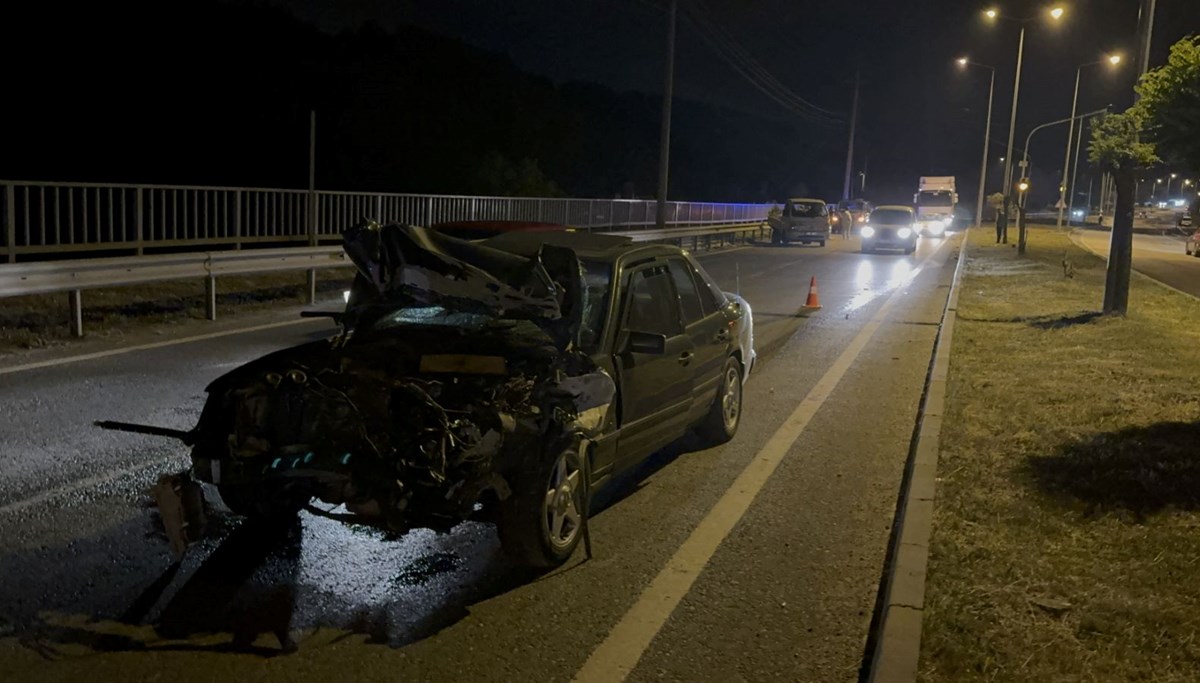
(723, 418)
(821, 243)
(542, 521)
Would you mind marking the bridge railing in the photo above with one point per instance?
(40, 219)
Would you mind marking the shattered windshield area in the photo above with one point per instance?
(430, 315)
(597, 279)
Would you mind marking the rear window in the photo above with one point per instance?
(891, 217)
(805, 210)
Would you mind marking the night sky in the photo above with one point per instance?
(920, 114)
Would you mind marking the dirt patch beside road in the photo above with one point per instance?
(33, 322)
(1066, 540)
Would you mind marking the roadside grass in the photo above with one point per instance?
(29, 322)
(1066, 542)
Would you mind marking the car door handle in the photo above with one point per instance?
(685, 357)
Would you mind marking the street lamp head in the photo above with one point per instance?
(962, 61)
(1023, 185)
(991, 14)
(1114, 59)
(1174, 175)
(1056, 13)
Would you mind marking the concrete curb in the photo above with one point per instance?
(898, 636)
(1074, 235)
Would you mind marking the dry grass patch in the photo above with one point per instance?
(1067, 536)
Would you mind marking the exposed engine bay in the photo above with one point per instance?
(456, 370)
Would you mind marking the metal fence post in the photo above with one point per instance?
(210, 297)
(237, 219)
(312, 286)
(379, 208)
(76, 299)
(10, 222)
(137, 220)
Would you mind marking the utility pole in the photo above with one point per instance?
(850, 146)
(664, 141)
(312, 200)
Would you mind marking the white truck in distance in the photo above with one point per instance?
(935, 201)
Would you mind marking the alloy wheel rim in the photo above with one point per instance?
(561, 509)
(731, 401)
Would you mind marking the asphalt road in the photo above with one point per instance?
(782, 590)
(1160, 257)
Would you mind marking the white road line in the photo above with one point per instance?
(79, 485)
(619, 653)
(146, 347)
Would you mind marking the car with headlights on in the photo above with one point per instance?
(890, 226)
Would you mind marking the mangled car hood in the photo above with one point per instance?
(406, 265)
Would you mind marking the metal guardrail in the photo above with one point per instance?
(38, 218)
(75, 275)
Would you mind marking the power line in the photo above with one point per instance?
(743, 63)
(748, 59)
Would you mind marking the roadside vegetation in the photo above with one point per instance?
(1066, 540)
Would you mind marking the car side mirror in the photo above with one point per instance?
(646, 342)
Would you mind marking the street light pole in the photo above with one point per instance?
(1075, 174)
(1012, 124)
(987, 129)
(664, 141)
(1067, 159)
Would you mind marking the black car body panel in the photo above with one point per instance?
(459, 361)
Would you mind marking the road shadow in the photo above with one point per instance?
(250, 587)
(1043, 322)
(1140, 470)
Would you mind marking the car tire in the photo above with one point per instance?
(533, 521)
(821, 243)
(909, 250)
(725, 415)
(776, 237)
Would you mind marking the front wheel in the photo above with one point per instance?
(821, 243)
(542, 521)
(723, 418)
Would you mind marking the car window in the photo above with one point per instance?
(597, 277)
(685, 287)
(712, 297)
(891, 217)
(653, 305)
(805, 210)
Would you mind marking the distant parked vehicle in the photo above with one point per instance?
(1184, 220)
(804, 220)
(1192, 246)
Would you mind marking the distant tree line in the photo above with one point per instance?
(208, 92)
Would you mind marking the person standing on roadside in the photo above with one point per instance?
(846, 220)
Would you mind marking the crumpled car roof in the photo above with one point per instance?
(407, 265)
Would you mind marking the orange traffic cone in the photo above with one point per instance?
(814, 299)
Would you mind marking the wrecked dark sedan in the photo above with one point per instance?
(503, 380)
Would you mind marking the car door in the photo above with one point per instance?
(705, 325)
(654, 359)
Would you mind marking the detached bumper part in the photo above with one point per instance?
(180, 503)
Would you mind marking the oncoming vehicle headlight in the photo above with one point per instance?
(903, 233)
(868, 231)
